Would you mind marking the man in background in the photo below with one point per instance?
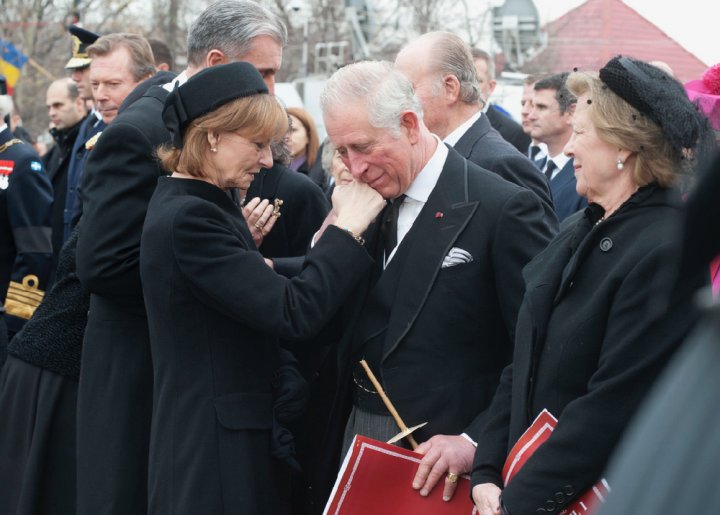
(441, 69)
(79, 67)
(499, 118)
(536, 151)
(551, 123)
(66, 110)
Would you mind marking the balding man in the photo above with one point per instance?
(116, 382)
(436, 319)
(66, 110)
(441, 69)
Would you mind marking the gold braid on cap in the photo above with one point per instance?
(76, 44)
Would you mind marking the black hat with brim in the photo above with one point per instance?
(81, 40)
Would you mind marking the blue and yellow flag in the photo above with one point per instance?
(11, 62)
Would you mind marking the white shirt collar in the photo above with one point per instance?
(459, 132)
(3, 126)
(560, 160)
(426, 180)
(179, 80)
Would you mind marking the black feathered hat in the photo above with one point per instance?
(206, 91)
(656, 95)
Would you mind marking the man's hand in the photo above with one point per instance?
(487, 499)
(443, 454)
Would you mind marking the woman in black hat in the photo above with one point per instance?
(215, 308)
(581, 350)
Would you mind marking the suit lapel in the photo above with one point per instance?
(442, 219)
(567, 174)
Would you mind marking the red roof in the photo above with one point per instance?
(589, 35)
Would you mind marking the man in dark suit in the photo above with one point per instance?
(551, 123)
(79, 67)
(435, 320)
(499, 118)
(115, 391)
(536, 151)
(66, 110)
(441, 69)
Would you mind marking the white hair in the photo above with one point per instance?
(385, 93)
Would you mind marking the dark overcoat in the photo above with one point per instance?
(119, 179)
(485, 147)
(215, 311)
(509, 129)
(581, 348)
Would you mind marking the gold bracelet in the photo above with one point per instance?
(356, 237)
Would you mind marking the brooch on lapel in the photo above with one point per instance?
(89, 144)
(439, 215)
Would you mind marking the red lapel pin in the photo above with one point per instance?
(439, 214)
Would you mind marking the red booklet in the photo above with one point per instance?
(376, 479)
(535, 435)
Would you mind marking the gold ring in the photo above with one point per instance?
(452, 477)
(257, 225)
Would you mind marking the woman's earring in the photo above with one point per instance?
(620, 165)
(213, 149)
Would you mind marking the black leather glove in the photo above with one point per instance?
(290, 390)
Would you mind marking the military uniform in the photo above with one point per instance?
(26, 200)
(88, 134)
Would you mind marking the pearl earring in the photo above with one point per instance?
(213, 149)
(620, 165)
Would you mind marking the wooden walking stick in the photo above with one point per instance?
(389, 405)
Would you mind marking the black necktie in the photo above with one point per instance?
(534, 150)
(551, 166)
(389, 225)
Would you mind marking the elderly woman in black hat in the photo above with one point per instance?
(215, 309)
(592, 295)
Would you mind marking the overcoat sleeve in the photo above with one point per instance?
(518, 169)
(119, 179)
(228, 277)
(493, 438)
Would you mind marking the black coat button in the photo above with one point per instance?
(559, 497)
(569, 490)
(550, 505)
(606, 244)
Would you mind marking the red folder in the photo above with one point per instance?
(376, 479)
(535, 435)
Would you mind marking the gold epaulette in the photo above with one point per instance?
(23, 299)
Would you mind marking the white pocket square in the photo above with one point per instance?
(456, 256)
